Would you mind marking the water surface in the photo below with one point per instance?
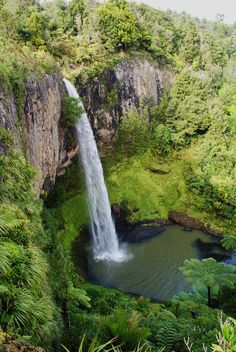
(153, 269)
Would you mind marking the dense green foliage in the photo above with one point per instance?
(179, 154)
(26, 301)
(71, 110)
(227, 337)
(120, 29)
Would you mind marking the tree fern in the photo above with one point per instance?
(37, 266)
(126, 329)
(209, 273)
(229, 242)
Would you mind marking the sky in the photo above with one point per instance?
(199, 8)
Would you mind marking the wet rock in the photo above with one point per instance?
(153, 221)
(116, 209)
(8, 121)
(142, 233)
(212, 249)
(188, 222)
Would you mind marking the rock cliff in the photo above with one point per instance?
(43, 129)
(133, 83)
(40, 132)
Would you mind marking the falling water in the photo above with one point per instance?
(105, 241)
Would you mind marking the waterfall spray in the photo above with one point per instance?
(105, 241)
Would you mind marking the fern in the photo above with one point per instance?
(166, 337)
(5, 263)
(210, 274)
(11, 218)
(229, 242)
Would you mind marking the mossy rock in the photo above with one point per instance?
(161, 169)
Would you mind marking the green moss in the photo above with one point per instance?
(74, 217)
(148, 195)
(68, 206)
(151, 195)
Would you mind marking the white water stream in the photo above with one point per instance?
(105, 241)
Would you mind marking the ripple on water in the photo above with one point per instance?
(152, 270)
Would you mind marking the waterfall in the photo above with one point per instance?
(104, 237)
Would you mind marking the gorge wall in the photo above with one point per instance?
(133, 83)
(40, 132)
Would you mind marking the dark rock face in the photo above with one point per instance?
(131, 84)
(41, 132)
(116, 209)
(43, 129)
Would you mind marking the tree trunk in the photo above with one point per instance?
(209, 295)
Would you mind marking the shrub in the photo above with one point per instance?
(133, 133)
(125, 329)
(71, 110)
(162, 139)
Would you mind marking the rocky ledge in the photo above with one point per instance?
(135, 230)
(192, 223)
(9, 344)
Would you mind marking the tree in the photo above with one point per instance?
(165, 35)
(7, 24)
(188, 110)
(163, 138)
(210, 274)
(120, 28)
(133, 133)
(190, 49)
